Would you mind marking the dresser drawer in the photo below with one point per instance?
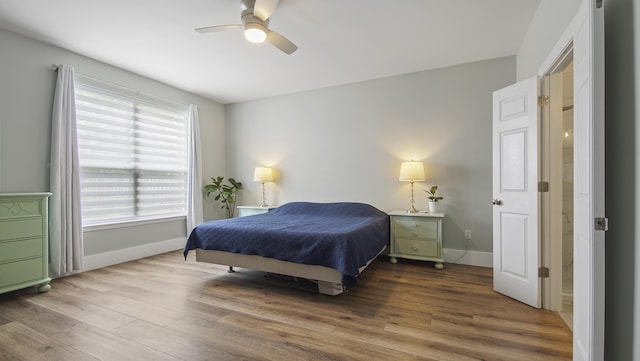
(15, 207)
(412, 247)
(21, 271)
(20, 228)
(412, 227)
(26, 248)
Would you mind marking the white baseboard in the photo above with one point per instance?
(129, 254)
(471, 258)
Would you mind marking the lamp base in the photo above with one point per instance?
(412, 209)
(264, 197)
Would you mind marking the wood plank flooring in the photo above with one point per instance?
(166, 308)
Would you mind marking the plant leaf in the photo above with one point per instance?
(224, 193)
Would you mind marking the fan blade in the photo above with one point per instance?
(281, 42)
(264, 8)
(212, 29)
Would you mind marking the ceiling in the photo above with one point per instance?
(339, 41)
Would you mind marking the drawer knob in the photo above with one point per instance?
(415, 225)
(414, 248)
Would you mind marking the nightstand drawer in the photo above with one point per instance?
(14, 250)
(415, 228)
(417, 247)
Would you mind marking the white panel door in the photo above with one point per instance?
(588, 243)
(515, 192)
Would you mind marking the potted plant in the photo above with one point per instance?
(433, 199)
(225, 193)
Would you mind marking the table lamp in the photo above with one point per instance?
(412, 172)
(263, 175)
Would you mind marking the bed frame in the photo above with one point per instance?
(329, 280)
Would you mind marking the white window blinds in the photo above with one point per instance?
(133, 154)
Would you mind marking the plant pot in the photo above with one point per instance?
(434, 207)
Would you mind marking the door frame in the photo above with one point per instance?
(590, 346)
(551, 171)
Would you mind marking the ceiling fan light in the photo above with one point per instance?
(255, 33)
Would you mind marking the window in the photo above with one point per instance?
(133, 154)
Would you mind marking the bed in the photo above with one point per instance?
(329, 243)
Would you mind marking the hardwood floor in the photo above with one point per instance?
(163, 308)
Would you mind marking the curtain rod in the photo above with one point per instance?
(138, 92)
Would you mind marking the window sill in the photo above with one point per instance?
(134, 223)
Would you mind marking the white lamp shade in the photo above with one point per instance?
(412, 171)
(263, 175)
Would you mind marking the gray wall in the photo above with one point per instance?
(547, 26)
(622, 46)
(346, 143)
(26, 93)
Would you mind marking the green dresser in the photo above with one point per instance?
(24, 241)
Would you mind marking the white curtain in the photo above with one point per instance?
(65, 222)
(195, 193)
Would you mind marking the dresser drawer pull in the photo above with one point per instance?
(414, 248)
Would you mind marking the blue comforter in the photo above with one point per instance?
(343, 236)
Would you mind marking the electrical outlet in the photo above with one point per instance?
(467, 234)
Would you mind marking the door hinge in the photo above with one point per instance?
(543, 100)
(543, 187)
(602, 224)
(543, 272)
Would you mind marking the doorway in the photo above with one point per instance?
(557, 168)
(586, 51)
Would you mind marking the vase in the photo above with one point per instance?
(434, 207)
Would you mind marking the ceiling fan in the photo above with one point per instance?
(255, 21)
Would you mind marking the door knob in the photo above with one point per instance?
(496, 202)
